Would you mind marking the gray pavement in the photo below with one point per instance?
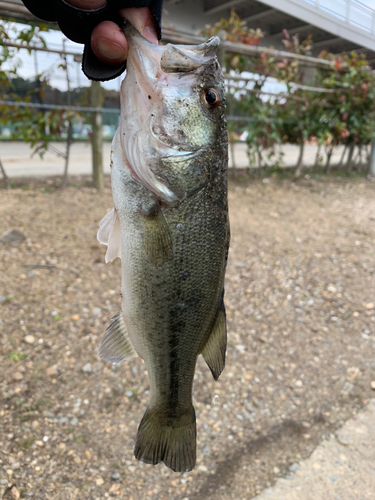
(342, 468)
(17, 160)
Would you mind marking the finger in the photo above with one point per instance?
(142, 20)
(108, 43)
(86, 4)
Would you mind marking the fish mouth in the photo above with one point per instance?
(172, 58)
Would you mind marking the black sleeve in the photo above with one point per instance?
(78, 24)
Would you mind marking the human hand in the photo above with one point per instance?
(108, 42)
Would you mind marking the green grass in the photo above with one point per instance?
(79, 438)
(16, 356)
(26, 443)
(39, 365)
(39, 404)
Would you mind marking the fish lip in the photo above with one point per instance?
(144, 57)
(183, 155)
(135, 36)
(176, 151)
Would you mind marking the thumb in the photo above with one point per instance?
(143, 21)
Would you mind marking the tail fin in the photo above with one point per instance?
(170, 440)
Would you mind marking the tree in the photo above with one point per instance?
(337, 108)
(30, 124)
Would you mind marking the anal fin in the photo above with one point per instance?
(116, 346)
(213, 351)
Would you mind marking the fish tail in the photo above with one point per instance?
(171, 440)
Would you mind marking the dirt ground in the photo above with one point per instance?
(300, 298)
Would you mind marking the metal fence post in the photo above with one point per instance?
(372, 160)
(221, 50)
(96, 101)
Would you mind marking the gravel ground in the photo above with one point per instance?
(300, 295)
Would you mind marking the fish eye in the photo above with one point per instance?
(211, 99)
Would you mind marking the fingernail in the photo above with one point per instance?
(149, 34)
(111, 50)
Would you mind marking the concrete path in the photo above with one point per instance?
(17, 160)
(342, 468)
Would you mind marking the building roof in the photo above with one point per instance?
(343, 25)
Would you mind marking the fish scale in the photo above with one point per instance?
(170, 227)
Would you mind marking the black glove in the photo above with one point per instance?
(77, 24)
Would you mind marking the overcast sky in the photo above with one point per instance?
(49, 62)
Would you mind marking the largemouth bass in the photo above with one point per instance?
(170, 227)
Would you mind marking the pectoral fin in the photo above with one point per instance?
(157, 237)
(109, 234)
(213, 351)
(116, 346)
